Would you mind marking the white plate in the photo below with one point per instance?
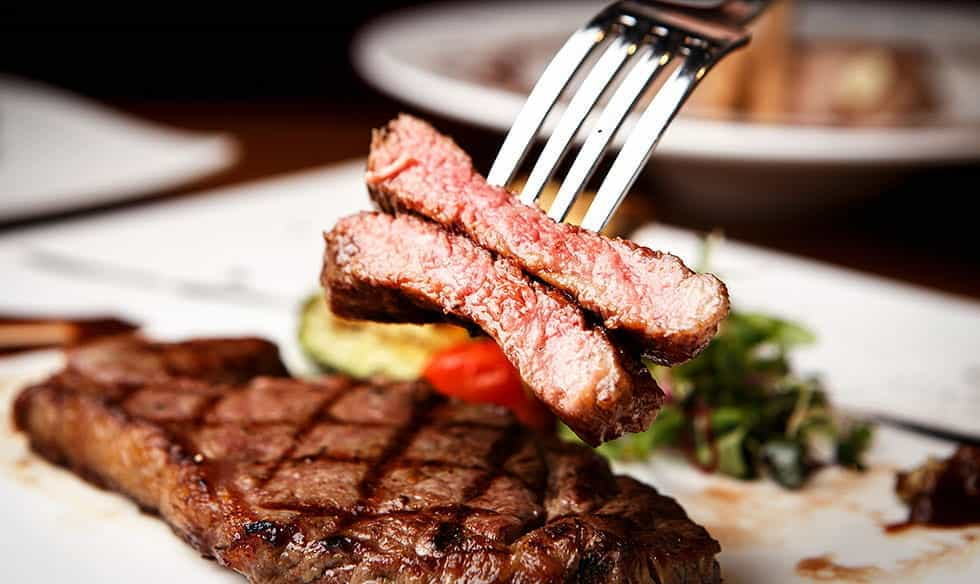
(58, 528)
(264, 244)
(60, 152)
(426, 57)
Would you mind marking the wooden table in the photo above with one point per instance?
(923, 232)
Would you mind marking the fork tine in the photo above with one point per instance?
(585, 98)
(651, 60)
(540, 102)
(644, 136)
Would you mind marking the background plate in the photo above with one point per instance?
(406, 55)
(59, 152)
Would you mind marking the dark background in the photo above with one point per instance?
(280, 54)
(282, 82)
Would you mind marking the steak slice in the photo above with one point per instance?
(670, 311)
(405, 269)
(333, 480)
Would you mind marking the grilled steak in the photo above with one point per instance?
(404, 269)
(670, 311)
(332, 480)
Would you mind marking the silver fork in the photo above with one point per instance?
(648, 35)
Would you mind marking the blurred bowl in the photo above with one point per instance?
(473, 62)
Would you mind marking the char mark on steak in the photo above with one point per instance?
(669, 311)
(333, 480)
(414, 270)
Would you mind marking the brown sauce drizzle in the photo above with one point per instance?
(824, 569)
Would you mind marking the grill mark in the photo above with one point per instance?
(393, 465)
(404, 463)
(377, 469)
(312, 511)
(181, 449)
(441, 513)
(215, 472)
(127, 391)
(398, 443)
(541, 492)
(453, 515)
(206, 408)
(273, 533)
(503, 448)
(178, 430)
(328, 418)
(359, 512)
(302, 431)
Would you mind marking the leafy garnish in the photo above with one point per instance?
(852, 445)
(740, 409)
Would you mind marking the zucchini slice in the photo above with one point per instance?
(362, 349)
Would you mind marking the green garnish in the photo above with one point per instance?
(852, 446)
(741, 410)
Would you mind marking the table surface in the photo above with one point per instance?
(922, 232)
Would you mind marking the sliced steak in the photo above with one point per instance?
(327, 481)
(670, 311)
(415, 270)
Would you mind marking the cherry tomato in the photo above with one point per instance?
(478, 371)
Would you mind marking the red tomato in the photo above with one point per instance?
(478, 371)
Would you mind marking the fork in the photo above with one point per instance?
(647, 35)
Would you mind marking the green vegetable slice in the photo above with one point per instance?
(362, 349)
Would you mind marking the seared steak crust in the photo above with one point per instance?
(406, 269)
(333, 480)
(668, 310)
